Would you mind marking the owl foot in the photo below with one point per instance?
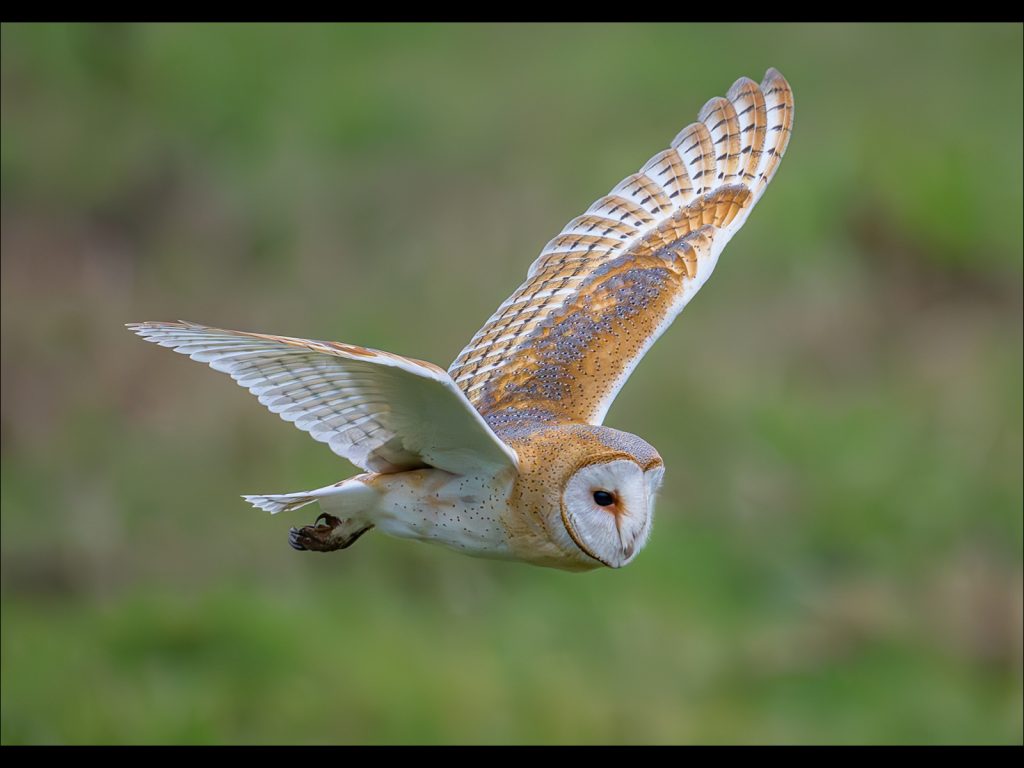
(336, 534)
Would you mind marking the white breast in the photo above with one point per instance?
(462, 512)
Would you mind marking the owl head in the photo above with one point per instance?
(593, 489)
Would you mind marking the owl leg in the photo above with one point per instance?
(334, 534)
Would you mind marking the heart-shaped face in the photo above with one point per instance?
(607, 508)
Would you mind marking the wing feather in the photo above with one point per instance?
(604, 288)
(382, 412)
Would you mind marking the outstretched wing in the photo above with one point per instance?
(615, 278)
(380, 411)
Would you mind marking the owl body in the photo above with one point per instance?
(532, 515)
(504, 454)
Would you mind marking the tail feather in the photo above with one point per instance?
(282, 502)
(348, 499)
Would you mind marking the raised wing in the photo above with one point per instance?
(612, 281)
(380, 411)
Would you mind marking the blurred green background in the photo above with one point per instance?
(838, 548)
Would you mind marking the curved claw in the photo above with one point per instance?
(295, 539)
(331, 520)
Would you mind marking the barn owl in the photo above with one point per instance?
(503, 455)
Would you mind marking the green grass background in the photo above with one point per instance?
(837, 554)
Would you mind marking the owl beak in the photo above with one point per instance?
(627, 550)
(629, 534)
(627, 546)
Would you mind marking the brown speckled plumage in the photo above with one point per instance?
(606, 287)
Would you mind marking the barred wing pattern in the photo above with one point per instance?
(382, 412)
(606, 287)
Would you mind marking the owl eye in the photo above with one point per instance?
(603, 498)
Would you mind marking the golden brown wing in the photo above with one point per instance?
(603, 290)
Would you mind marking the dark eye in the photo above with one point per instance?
(603, 498)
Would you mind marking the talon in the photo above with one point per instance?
(323, 538)
(295, 539)
(332, 521)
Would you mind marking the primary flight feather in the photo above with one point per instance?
(503, 455)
